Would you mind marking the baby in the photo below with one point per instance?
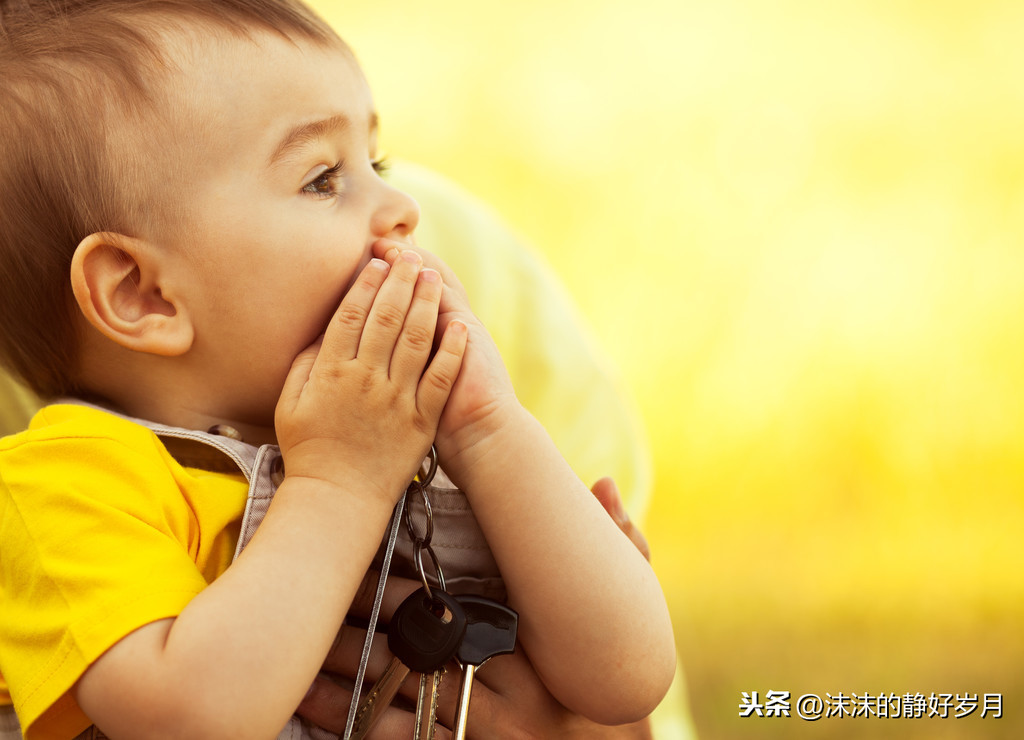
(194, 235)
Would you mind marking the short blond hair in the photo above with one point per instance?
(70, 72)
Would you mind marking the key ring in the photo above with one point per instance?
(428, 510)
(426, 476)
(417, 554)
(419, 485)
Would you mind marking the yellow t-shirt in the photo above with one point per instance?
(103, 532)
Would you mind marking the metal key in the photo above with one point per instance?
(426, 705)
(424, 634)
(490, 630)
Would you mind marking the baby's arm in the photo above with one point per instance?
(592, 614)
(355, 419)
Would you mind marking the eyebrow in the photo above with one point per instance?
(307, 133)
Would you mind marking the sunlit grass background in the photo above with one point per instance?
(795, 227)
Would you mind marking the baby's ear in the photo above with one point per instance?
(118, 283)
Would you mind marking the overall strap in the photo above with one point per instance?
(396, 520)
(9, 727)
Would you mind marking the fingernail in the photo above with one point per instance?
(410, 256)
(430, 276)
(379, 264)
(392, 254)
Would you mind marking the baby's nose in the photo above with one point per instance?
(398, 213)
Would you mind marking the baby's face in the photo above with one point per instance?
(283, 205)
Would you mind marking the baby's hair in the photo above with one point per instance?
(80, 79)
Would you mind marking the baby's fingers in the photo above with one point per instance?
(417, 337)
(389, 312)
(454, 295)
(295, 381)
(437, 382)
(341, 340)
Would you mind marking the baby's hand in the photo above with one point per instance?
(357, 409)
(483, 393)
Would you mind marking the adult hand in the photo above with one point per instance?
(607, 493)
(509, 699)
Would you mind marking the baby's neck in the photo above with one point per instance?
(188, 418)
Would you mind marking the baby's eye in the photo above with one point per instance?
(324, 185)
(381, 165)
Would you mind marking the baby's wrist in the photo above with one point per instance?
(473, 443)
(328, 470)
(316, 502)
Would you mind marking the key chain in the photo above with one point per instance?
(423, 478)
(421, 544)
(439, 601)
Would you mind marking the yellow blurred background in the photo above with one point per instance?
(794, 226)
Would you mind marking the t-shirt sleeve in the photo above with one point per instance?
(96, 543)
